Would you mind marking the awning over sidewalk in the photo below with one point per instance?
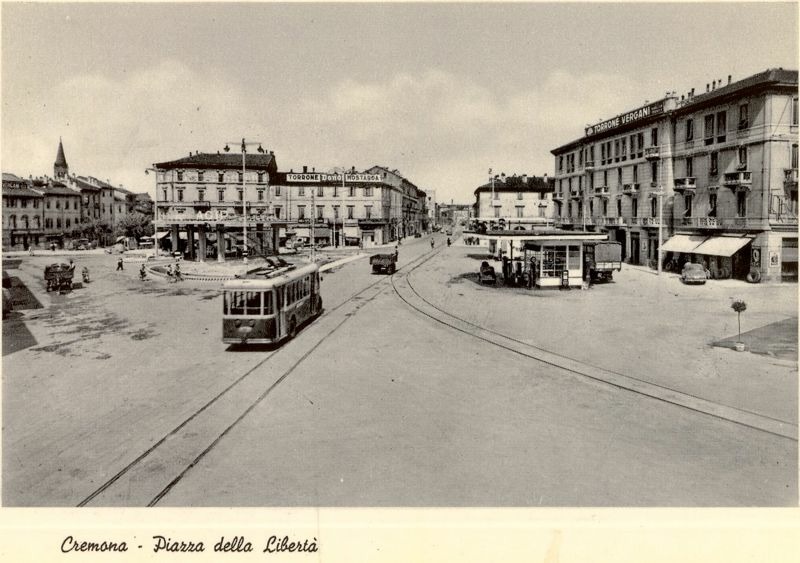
(722, 246)
(683, 243)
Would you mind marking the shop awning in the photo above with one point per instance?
(722, 246)
(683, 243)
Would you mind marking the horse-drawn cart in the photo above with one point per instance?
(58, 277)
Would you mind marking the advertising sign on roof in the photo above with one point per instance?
(626, 118)
(318, 177)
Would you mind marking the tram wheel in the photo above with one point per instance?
(292, 328)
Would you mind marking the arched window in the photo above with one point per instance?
(67, 222)
(36, 224)
(58, 222)
(12, 222)
(24, 222)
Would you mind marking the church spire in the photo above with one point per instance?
(60, 168)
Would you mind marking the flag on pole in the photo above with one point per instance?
(244, 146)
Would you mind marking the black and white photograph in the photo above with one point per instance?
(399, 256)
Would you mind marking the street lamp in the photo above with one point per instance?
(244, 192)
(155, 212)
(343, 172)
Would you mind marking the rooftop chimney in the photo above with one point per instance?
(729, 79)
(524, 178)
(708, 87)
(305, 169)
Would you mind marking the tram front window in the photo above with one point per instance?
(249, 302)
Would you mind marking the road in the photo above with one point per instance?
(130, 398)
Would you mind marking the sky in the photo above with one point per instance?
(441, 92)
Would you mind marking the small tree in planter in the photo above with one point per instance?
(739, 306)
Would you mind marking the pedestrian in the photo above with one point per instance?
(178, 276)
(143, 273)
(52, 247)
(30, 251)
(396, 252)
(170, 274)
(119, 264)
(431, 243)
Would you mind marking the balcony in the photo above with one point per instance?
(630, 189)
(652, 153)
(589, 165)
(738, 180)
(601, 191)
(558, 196)
(790, 178)
(202, 204)
(649, 221)
(687, 184)
(610, 221)
(575, 194)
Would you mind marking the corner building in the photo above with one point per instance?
(724, 164)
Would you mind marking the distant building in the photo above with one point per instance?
(724, 162)
(513, 202)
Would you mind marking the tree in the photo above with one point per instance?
(739, 306)
(135, 225)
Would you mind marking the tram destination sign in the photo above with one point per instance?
(319, 177)
(626, 118)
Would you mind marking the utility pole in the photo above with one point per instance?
(244, 192)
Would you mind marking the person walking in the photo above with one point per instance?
(431, 243)
(170, 274)
(178, 276)
(119, 264)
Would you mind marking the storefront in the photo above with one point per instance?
(723, 256)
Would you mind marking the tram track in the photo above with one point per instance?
(106, 490)
(638, 386)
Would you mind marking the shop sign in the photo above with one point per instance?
(318, 177)
(626, 118)
(755, 257)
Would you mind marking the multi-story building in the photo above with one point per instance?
(349, 209)
(203, 195)
(23, 214)
(716, 173)
(407, 203)
(62, 209)
(513, 202)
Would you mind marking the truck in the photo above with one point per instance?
(383, 263)
(601, 259)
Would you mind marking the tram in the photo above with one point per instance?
(269, 305)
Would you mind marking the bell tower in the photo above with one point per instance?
(60, 168)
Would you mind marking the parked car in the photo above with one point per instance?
(81, 244)
(693, 273)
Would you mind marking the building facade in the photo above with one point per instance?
(513, 202)
(201, 200)
(717, 169)
(23, 214)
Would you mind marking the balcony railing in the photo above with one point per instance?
(649, 221)
(688, 183)
(575, 194)
(738, 179)
(589, 165)
(609, 221)
(601, 190)
(652, 153)
(630, 189)
(558, 196)
(722, 222)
